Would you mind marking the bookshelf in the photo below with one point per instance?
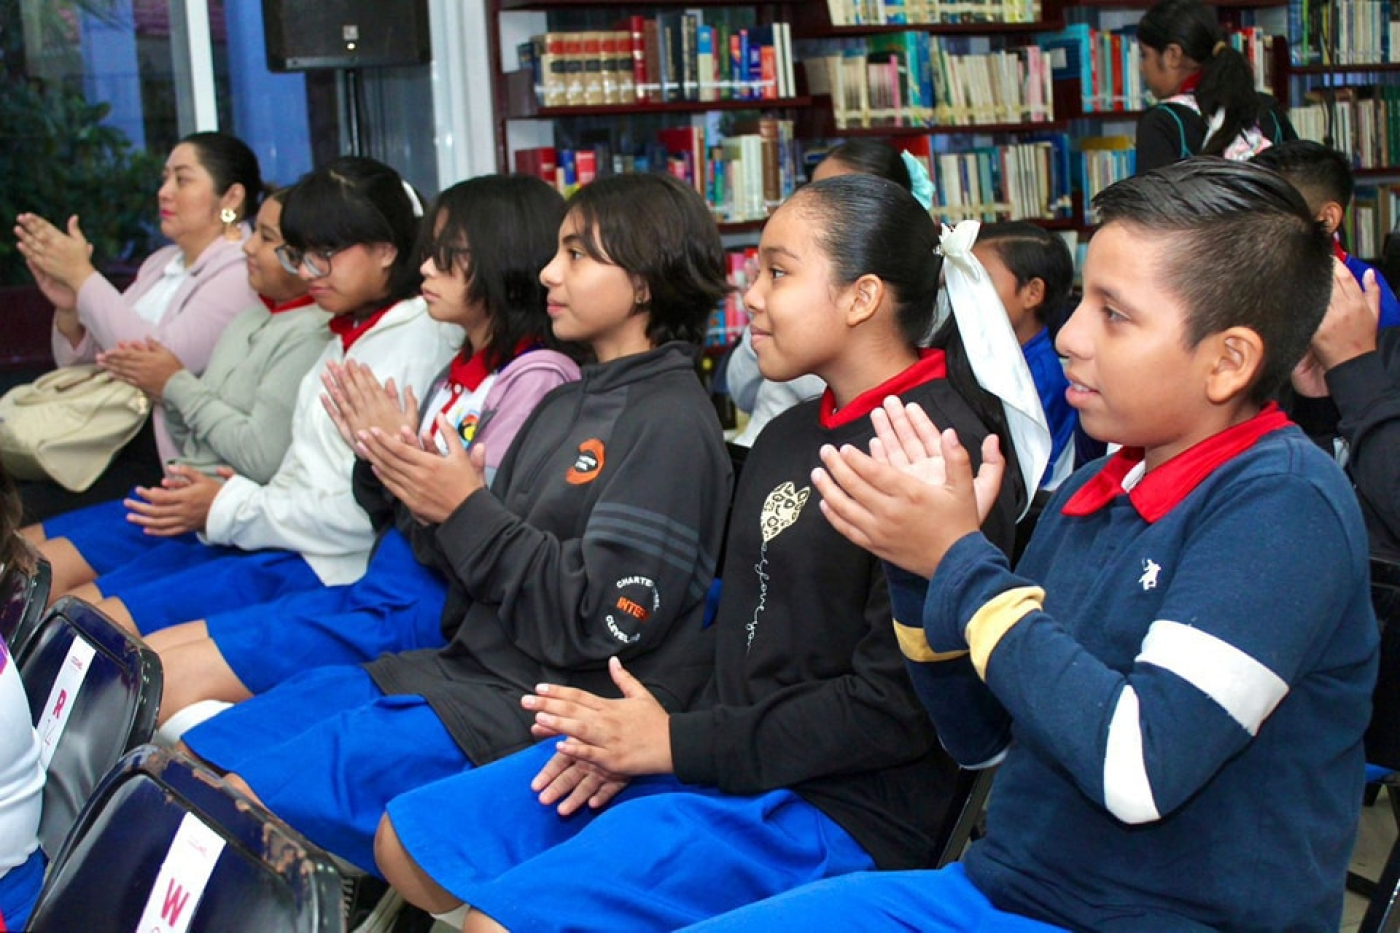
(583, 87)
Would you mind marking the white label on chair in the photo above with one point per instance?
(182, 879)
(62, 697)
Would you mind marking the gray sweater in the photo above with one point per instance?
(239, 413)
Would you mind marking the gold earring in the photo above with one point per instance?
(230, 218)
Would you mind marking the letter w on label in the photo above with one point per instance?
(183, 877)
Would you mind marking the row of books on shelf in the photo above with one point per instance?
(1375, 211)
(729, 318)
(742, 176)
(1344, 32)
(671, 57)
(932, 12)
(1363, 123)
(913, 79)
(1108, 63)
(1028, 180)
(1102, 161)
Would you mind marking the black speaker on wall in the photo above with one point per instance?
(303, 35)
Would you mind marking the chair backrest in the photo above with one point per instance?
(970, 792)
(165, 845)
(23, 599)
(94, 691)
(1383, 732)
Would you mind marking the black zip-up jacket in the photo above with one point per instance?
(597, 538)
(810, 688)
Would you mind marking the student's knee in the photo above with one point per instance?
(71, 571)
(401, 871)
(115, 610)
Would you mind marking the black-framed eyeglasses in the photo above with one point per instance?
(317, 262)
(447, 258)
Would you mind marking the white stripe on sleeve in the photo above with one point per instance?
(1126, 790)
(1243, 687)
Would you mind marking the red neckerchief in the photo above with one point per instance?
(1337, 249)
(274, 308)
(344, 326)
(1158, 492)
(1193, 81)
(467, 373)
(931, 365)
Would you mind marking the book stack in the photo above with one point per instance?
(743, 175)
(1102, 161)
(1027, 180)
(913, 79)
(729, 318)
(672, 57)
(1344, 32)
(931, 12)
(1363, 123)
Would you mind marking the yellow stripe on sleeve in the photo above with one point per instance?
(995, 618)
(913, 643)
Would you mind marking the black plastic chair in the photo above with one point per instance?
(113, 867)
(23, 599)
(960, 825)
(94, 691)
(1383, 745)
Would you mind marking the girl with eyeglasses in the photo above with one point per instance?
(358, 221)
(183, 295)
(484, 243)
(237, 414)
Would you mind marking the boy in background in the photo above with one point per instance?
(1323, 176)
(1177, 678)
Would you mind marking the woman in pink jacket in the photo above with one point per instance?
(183, 294)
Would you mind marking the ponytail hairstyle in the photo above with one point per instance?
(229, 162)
(871, 226)
(1032, 252)
(1227, 81)
(356, 200)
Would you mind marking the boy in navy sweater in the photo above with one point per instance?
(1177, 677)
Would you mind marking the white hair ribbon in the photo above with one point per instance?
(412, 198)
(992, 350)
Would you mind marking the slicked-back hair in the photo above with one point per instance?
(872, 157)
(510, 226)
(1227, 81)
(1239, 247)
(229, 161)
(356, 200)
(867, 225)
(1320, 172)
(1032, 252)
(659, 229)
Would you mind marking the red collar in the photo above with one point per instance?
(468, 372)
(1158, 492)
(1337, 249)
(274, 308)
(344, 326)
(931, 365)
(1193, 81)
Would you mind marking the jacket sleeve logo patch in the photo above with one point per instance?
(588, 463)
(636, 600)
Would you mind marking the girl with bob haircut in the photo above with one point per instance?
(484, 243)
(587, 545)
(809, 755)
(350, 230)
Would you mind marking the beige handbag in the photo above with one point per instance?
(67, 425)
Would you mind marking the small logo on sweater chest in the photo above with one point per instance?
(1150, 570)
